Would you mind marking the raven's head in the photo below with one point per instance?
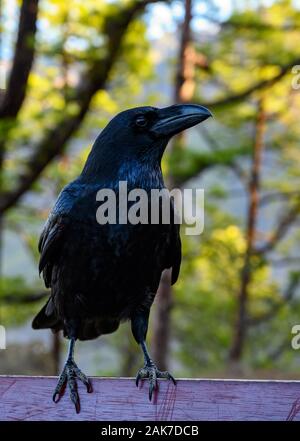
(143, 133)
(144, 127)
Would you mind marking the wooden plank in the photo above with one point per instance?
(117, 399)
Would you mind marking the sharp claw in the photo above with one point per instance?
(56, 397)
(68, 376)
(75, 400)
(87, 384)
(89, 387)
(151, 387)
(172, 379)
(77, 407)
(138, 377)
(152, 373)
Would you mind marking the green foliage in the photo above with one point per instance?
(184, 164)
(14, 309)
(206, 305)
(70, 38)
(247, 50)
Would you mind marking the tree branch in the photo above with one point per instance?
(96, 78)
(281, 229)
(235, 167)
(277, 196)
(258, 26)
(237, 97)
(246, 276)
(22, 62)
(289, 260)
(13, 299)
(287, 297)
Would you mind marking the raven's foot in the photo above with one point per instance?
(151, 372)
(68, 376)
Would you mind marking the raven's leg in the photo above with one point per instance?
(68, 376)
(139, 326)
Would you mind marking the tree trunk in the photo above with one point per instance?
(164, 301)
(246, 273)
(161, 322)
(130, 355)
(55, 351)
(184, 80)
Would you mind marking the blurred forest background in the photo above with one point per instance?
(66, 68)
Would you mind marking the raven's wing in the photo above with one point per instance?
(52, 237)
(174, 253)
(49, 247)
(50, 244)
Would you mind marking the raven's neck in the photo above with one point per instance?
(106, 168)
(141, 174)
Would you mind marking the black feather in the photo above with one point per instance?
(102, 274)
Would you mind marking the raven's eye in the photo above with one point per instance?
(141, 121)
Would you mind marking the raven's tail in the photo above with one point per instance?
(47, 318)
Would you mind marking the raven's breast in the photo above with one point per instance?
(110, 270)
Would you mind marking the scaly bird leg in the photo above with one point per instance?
(68, 376)
(151, 372)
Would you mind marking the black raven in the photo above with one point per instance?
(100, 275)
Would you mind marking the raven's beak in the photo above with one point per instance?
(175, 119)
